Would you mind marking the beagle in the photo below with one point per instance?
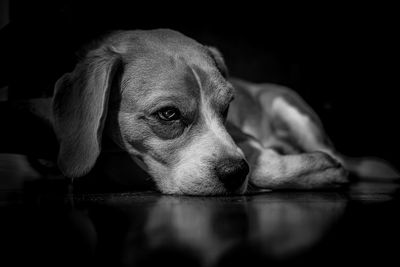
(168, 102)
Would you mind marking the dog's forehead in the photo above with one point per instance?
(173, 63)
(175, 77)
(156, 42)
(158, 74)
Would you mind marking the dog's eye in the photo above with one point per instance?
(169, 114)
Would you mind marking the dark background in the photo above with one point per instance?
(342, 59)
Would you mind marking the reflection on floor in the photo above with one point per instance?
(356, 225)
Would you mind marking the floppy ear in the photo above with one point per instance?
(80, 108)
(218, 59)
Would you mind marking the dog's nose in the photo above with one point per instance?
(232, 172)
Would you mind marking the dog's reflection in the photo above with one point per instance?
(205, 231)
(149, 230)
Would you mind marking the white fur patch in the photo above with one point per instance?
(194, 173)
(301, 126)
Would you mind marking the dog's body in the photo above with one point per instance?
(163, 98)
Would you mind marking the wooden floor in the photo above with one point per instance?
(47, 226)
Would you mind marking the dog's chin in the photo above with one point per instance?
(202, 189)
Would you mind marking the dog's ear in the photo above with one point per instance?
(80, 108)
(219, 60)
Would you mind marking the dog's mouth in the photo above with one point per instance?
(209, 190)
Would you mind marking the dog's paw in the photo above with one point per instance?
(326, 172)
(330, 177)
(303, 171)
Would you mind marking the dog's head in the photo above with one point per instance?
(160, 96)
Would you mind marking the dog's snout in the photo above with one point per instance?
(232, 172)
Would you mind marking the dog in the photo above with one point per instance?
(168, 102)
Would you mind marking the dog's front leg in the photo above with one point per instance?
(269, 169)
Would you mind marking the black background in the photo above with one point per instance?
(343, 59)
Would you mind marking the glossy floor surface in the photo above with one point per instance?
(51, 227)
